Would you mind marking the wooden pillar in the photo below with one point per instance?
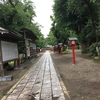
(18, 60)
(1, 62)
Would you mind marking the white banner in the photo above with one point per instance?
(9, 50)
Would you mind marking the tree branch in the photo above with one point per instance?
(12, 4)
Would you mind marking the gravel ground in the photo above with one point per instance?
(82, 80)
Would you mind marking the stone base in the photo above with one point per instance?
(97, 57)
(17, 68)
(6, 78)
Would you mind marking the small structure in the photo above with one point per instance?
(72, 44)
(38, 49)
(29, 39)
(8, 50)
(72, 41)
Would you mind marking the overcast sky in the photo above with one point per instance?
(43, 11)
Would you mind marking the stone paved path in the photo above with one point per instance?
(40, 83)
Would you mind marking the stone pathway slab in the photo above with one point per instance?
(40, 83)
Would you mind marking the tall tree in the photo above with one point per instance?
(16, 15)
(51, 39)
(41, 41)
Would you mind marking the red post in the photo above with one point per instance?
(73, 54)
(17, 62)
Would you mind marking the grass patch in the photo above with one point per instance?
(78, 95)
(96, 61)
(1, 96)
(66, 52)
(11, 62)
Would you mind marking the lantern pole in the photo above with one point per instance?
(72, 44)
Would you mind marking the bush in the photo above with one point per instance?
(92, 49)
(85, 51)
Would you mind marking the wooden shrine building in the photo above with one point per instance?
(8, 48)
(29, 39)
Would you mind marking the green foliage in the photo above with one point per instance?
(15, 15)
(22, 47)
(92, 49)
(41, 41)
(51, 39)
(92, 0)
(82, 38)
(66, 52)
(80, 16)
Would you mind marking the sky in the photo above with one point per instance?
(43, 11)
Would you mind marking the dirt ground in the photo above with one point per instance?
(17, 75)
(81, 80)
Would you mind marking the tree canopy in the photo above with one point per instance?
(81, 17)
(51, 39)
(17, 14)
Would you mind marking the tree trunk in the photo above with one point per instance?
(85, 46)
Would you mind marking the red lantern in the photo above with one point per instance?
(72, 43)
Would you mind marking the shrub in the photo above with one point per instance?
(85, 51)
(92, 49)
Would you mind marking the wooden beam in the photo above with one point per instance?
(1, 63)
